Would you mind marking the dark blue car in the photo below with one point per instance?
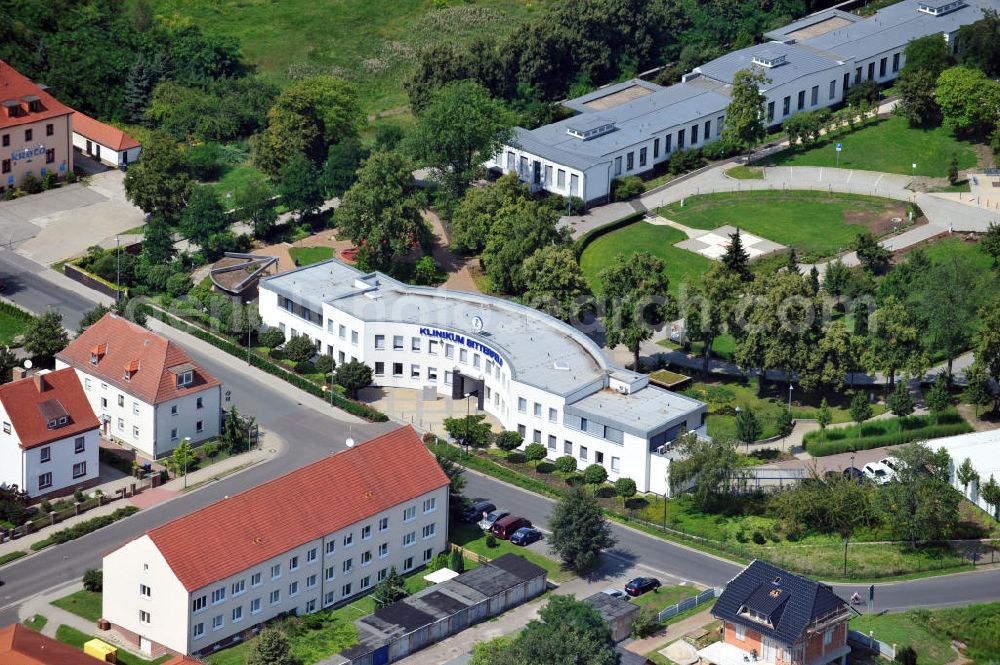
(525, 536)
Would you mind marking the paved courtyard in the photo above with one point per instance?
(426, 412)
(713, 244)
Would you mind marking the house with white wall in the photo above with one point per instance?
(309, 540)
(104, 143)
(147, 392)
(49, 442)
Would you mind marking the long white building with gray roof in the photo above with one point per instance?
(535, 374)
(628, 128)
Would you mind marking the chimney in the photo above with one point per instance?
(18, 373)
(41, 385)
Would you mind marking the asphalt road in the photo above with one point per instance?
(310, 434)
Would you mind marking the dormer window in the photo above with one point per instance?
(768, 58)
(54, 414)
(97, 353)
(185, 379)
(131, 369)
(58, 422)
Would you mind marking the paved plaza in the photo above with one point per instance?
(713, 244)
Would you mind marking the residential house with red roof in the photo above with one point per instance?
(20, 645)
(311, 539)
(104, 143)
(35, 130)
(147, 392)
(49, 441)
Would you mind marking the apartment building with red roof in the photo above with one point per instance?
(49, 437)
(147, 392)
(35, 130)
(311, 539)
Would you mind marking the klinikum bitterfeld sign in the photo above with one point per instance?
(463, 341)
(27, 153)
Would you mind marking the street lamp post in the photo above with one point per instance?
(789, 395)
(118, 268)
(468, 415)
(248, 338)
(187, 452)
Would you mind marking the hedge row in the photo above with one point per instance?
(13, 311)
(846, 445)
(93, 524)
(492, 469)
(593, 234)
(12, 556)
(350, 406)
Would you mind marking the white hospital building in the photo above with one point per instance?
(628, 128)
(532, 372)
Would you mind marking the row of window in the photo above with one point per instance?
(536, 174)
(274, 597)
(583, 453)
(50, 158)
(29, 134)
(434, 348)
(174, 408)
(45, 452)
(522, 407)
(45, 479)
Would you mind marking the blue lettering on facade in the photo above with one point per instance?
(27, 153)
(465, 341)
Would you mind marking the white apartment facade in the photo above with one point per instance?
(48, 441)
(162, 597)
(536, 375)
(148, 394)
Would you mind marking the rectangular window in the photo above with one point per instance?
(707, 129)
(331, 547)
(293, 589)
(522, 431)
(218, 595)
(275, 571)
(415, 344)
(656, 148)
(537, 410)
(567, 447)
(274, 597)
(857, 75)
(630, 161)
(786, 106)
(145, 591)
(428, 530)
(383, 550)
(561, 179)
(354, 337)
(432, 375)
(574, 184)
(718, 125)
(173, 433)
(345, 590)
(548, 175)
(28, 134)
(428, 554)
(694, 134)
(6, 140)
(536, 436)
(432, 347)
(871, 71)
(50, 156)
(135, 431)
(409, 539)
(366, 557)
(408, 563)
(680, 139)
(430, 505)
(382, 574)
(342, 332)
(618, 165)
(740, 632)
(583, 453)
(833, 89)
(366, 581)
(379, 368)
(330, 573)
(475, 360)
(449, 350)
(383, 524)
(814, 96)
(414, 371)
(827, 636)
(79, 445)
(349, 539)
(463, 356)
(409, 513)
(347, 566)
(895, 62)
(238, 588)
(666, 144)
(238, 614)
(615, 464)
(50, 129)
(144, 616)
(44, 455)
(79, 469)
(217, 622)
(522, 405)
(881, 67)
(642, 156)
(293, 563)
(552, 442)
(379, 342)
(6, 168)
(801, 100)
(366, 532)
(121, 400)
(329, 597)
(198, 630)
(397, 369)
(255, 579)
(255, 606)
(199, 604)
(553, 416)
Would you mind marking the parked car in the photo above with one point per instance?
(525, 536)
(878, 473)
(505, 527)
(614, 593)
(894, 463)
(641, 585)
(487, 522)
(475, 512)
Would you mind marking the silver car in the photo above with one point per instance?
(614, 593)
(487, 522)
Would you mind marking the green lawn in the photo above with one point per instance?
(683, 267)
(817, 224)
(746, 172)
(902, 630)
(371, 42)
(235, 180)
(890, 146)
(955, 246)
(75, 638)
(86, 604)
(664, 597)
(36, 621)
(304, 256)
(473, 539)
(12, 323)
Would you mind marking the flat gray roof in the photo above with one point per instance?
(798, 63)
(542, 351)
(642, 413)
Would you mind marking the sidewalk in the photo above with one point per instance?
(271, 446)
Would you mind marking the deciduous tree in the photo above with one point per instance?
(554, 282)
(709, 309)
(301, 185)
(930, 54)
(161, 181)
(893, 341)
(937, 398)
(473, 218)
(519, 230)
(204, 215)
(636, 300)
(340, 170)
(746, 119)
(989, 243)
(45, 336)
(968, 100)
(872, 255)
(946, 299)
(861, 408)
(713, 467)
(270, 647)
(508, 441)
(353, 376)
(472, 431)
(917, 101)
(966, 474)
(979, 43)
(256, 206)
(579, 531)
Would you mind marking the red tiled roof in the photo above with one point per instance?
(20, 645)
(106, 135)
(126, 343)
(22, 401)
(14, 86)
(241, 531)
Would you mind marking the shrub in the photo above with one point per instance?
(31, 184)
(595, 474)
(71, 177)
(206, 161)
(179, 284)
(46, 506)
(566, 464)
(626, 188)
(534, 452)
(49, 180)
(425, 271)
(78, 495)
(305, 368)
(645, 623)
(93, 580)
(299, 349)
(456, 561)
(491, 540)
(324, 364)
(12, 556)
(156, 278)
(271, 338)
(508, 441)
(906, 656)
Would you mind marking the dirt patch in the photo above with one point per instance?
(881, 222)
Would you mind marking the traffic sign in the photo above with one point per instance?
(840, 146)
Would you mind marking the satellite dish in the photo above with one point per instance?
(27, 363)
(350, 443)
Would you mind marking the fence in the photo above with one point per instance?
(869, 642)
(469, 554)
(688, 603)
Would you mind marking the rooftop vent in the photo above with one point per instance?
(939, 7)
(587, 129)
(560, 365)
(769, 59)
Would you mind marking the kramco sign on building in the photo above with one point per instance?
(535, 374)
